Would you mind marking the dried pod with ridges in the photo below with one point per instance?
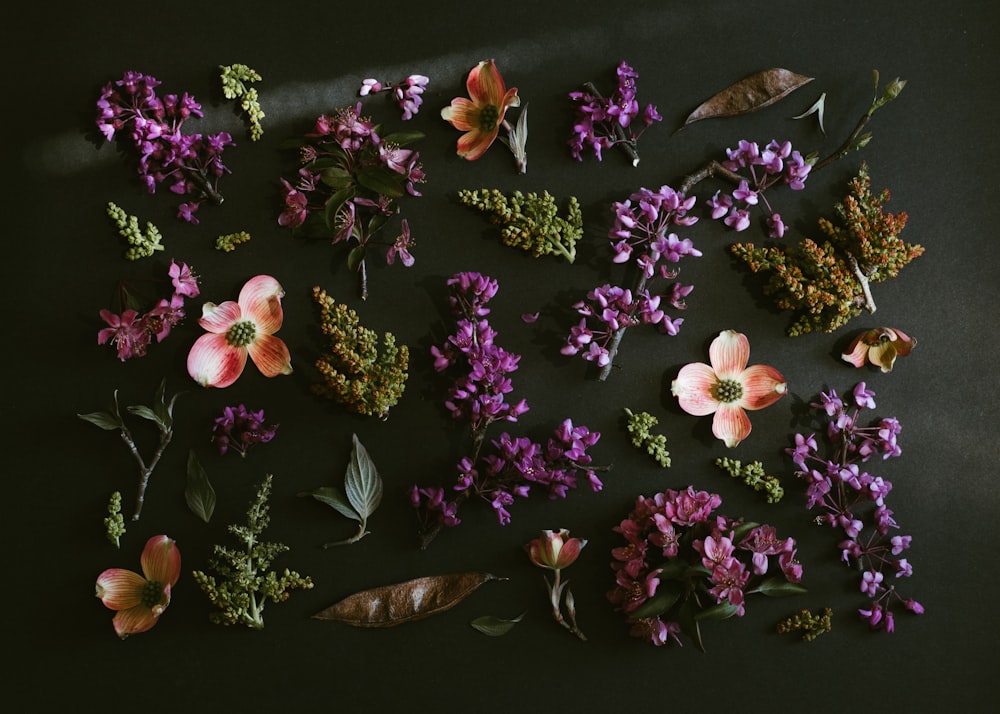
(751, 93)
(391, 605)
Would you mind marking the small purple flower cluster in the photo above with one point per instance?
(407, 93)
(676, 550)
(479, 395)
(641, 232)
(840, 488)
(191, 163)
(239, 428)
(132, 332)
(764, 168)
(602, 123)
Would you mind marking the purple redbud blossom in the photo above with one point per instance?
(239, 428)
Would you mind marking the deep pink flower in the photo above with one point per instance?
(727, 387)
(238, 329)
(481, 115)
(140, 599)
(127, 332)
(185, 282)
(296, 203)
(401, 247)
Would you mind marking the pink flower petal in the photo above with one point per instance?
(485, 85)
(213, 362)
(260, 301)
(219, 318)
(762, 386)
(693, 389)
(161, 561)
(271, 356)
(120, 589)
(729, 354)
(462, 114)
(731, 424)
(133, 621)
(473, 144)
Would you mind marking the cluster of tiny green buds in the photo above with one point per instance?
(142, 244)
(639, 426)
(245, 585)
(228, 242)
(235, 78)
(356, 371)
(753, 475)
(530, 222)
(114, 524)
(811, 626)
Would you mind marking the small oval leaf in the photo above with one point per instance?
(335, 498)
(106, 421)
(720, 611)
(751, 93)
(362, 482)
(495, 626)
(198, 491)
(779, 587)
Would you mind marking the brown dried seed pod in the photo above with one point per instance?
(751, 93)
(390, 605)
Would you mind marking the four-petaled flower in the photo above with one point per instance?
(480, 116)
(555, 550)
(880, 346)
(236, 329)
(140, 599)
(727, 387)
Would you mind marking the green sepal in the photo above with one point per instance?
(720, 611)
(198, 491)
(779, 587)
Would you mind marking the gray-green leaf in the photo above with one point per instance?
(362, 482)
(198, 492)
(108, 422)
(334, 497)
(148, 413)
(495, 626)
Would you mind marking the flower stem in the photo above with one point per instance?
(620, 138)
(144, 471)
(865, 283)
(616, 339)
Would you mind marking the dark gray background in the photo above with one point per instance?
(934, 148)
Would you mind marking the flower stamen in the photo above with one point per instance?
(241, 334)
(728, 390)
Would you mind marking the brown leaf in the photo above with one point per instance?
(749, 94)
(390, 605)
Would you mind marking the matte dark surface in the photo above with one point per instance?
(934, 148)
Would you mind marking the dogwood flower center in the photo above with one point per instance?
(488, 117)
(241, 333)
(728, 390)
(152, 593)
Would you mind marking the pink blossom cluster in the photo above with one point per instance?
(407, 94)
(683, 562)
(762, 168)
(131, 332)
(845, 493)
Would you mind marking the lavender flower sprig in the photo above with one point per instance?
(479, 396)
(642, 234)
(841, 489)
(406, 94)
(603, 123)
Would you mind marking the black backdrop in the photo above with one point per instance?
(933, 148)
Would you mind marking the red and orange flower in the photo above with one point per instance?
(482, 114)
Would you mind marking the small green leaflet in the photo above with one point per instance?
(198, 492)
(361, 495)
(495, 626)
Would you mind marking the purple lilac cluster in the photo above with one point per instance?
(762, 168)
(132, 332)
(602, 123)
(641, 233)
(842, 489)
(407, 94)
(682, 563)
(239, 428)
(190, 163)
(480, 396)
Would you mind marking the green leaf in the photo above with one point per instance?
(689, 624)
(665, 598)
(147, 413)
(382, 180)
(741, 531)
(495, 626)
(355, 258)
(108, 422)
(334, 497)
(336, 177)
(198, 491)
(720, 611)
(335, 203)
(402, 138)
(164, 412)
(779, 587)
(362, 482)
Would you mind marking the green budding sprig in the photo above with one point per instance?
(228, 242)
(235, 78)
(811, 626)
(753, 475)
(114, 524)
(639, 426)
(142, 244)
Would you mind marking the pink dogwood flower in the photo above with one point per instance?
(237, 329)
(727, 387)
(481, 115)
(140, 599)
(880, 346)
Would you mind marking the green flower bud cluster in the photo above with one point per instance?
(357, 372)
(811, 626)
(142, 244)
(114, 524)
(530, 222)
(753, 476)
(228, 243)
(244, 584)
(234, 86)
(639, 426)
